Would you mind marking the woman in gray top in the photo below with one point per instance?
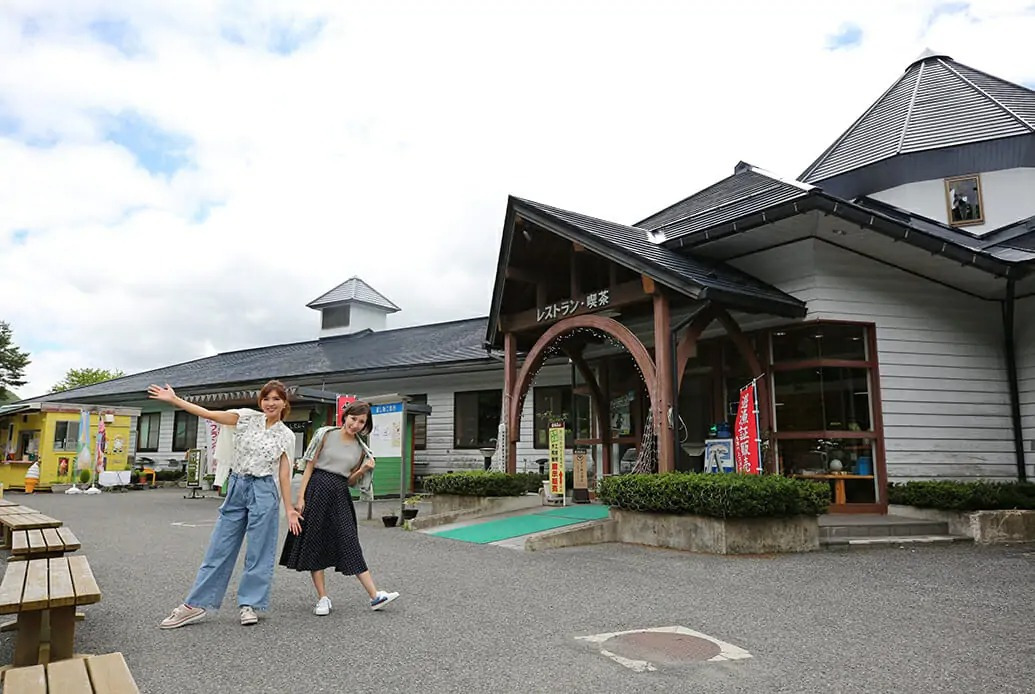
(329, 536)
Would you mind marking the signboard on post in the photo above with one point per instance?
(195, 462)
(557, 459)
(580, 478)
(746, 443)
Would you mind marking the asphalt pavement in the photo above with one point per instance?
(474, 618)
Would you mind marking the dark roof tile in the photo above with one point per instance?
(936, 103)
(424, 345)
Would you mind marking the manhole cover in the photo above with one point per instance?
(662, 648)
(641, 649)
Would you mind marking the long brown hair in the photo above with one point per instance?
(281, 390)
(357, 408)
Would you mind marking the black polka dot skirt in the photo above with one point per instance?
(329, 536)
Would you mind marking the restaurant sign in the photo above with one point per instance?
(568, 307)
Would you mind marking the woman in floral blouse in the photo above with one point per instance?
(263, 445)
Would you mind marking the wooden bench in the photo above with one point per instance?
(42, 543)
(25, 521)
(44, 594)
(16, 509)
(8, 502)
(104, 674)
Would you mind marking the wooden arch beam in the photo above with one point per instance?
(537, 355)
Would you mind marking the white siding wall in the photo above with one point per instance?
(941, 359)
(1025, 335)
(440, 455)
(361, 317)
(1007, 198)
(942, 367)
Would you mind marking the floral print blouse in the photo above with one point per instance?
(257, 449)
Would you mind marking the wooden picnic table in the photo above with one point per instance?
(8, 502)
(25, 521)
(44, 594)
(42, 543)
(15, 510)
(107, 674)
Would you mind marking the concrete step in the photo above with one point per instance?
(890, 541)
(903, 528)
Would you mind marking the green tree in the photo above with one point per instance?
(12, 360)
(77, 378)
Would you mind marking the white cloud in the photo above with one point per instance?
(386, 145)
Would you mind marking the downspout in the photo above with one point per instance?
(1011, 375)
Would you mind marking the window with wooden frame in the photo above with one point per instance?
(66, 436)
(420, 424)
(476, 418)
(148, 427)
(185, 431)
(963, 200)
(823, 377)
(549, 404)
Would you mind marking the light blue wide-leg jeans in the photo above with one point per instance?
(249, 510)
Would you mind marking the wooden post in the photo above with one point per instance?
(663, 373)
(605, 433)
(509, 380)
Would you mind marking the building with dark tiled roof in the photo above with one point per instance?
(882, 305)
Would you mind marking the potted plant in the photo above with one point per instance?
(390, 520)
(410, 512)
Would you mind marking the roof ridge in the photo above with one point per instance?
(807, 187)
(912, 103)
(988, 96)
(851, 128)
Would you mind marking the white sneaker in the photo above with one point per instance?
(248, 616)
(182, 616)
(323, 607)
(382, 599)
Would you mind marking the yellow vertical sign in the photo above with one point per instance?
(557, 458)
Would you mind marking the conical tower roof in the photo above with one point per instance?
(936, 103)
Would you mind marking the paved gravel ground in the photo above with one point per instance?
(477, 618)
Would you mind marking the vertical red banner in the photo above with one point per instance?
(745, 433)
(343, 400)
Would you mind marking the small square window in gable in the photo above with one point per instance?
(963, 200)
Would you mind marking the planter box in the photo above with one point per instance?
(985, 527)
(449, 503)
(450, 508)
(718, 535)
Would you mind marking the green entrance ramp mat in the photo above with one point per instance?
(582, 512)
(504, 528)
(516, 526)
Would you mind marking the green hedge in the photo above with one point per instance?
(949, 495)
(478, 483)
(720, 496)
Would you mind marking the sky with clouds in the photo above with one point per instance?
(180, 178)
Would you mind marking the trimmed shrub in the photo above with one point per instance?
(950, 495)
(477, 483)
(84, 476)
(718, 495)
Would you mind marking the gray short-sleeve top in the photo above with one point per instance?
(339, 456)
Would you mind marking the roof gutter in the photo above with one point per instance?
(875, 221)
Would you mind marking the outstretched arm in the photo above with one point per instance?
(167, 394)
(293, 516)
